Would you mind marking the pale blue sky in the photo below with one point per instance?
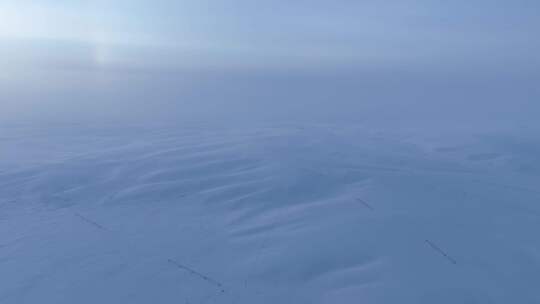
(262, 33)
(66, 49)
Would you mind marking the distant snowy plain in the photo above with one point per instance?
(268, 214)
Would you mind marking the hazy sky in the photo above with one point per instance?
(197, 53)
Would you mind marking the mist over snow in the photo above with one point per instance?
(202, 151)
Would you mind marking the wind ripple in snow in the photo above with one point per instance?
(311, 214)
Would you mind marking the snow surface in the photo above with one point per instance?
(273, 214)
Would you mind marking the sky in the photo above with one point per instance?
(210, 59)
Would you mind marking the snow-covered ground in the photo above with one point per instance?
(273, 214)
